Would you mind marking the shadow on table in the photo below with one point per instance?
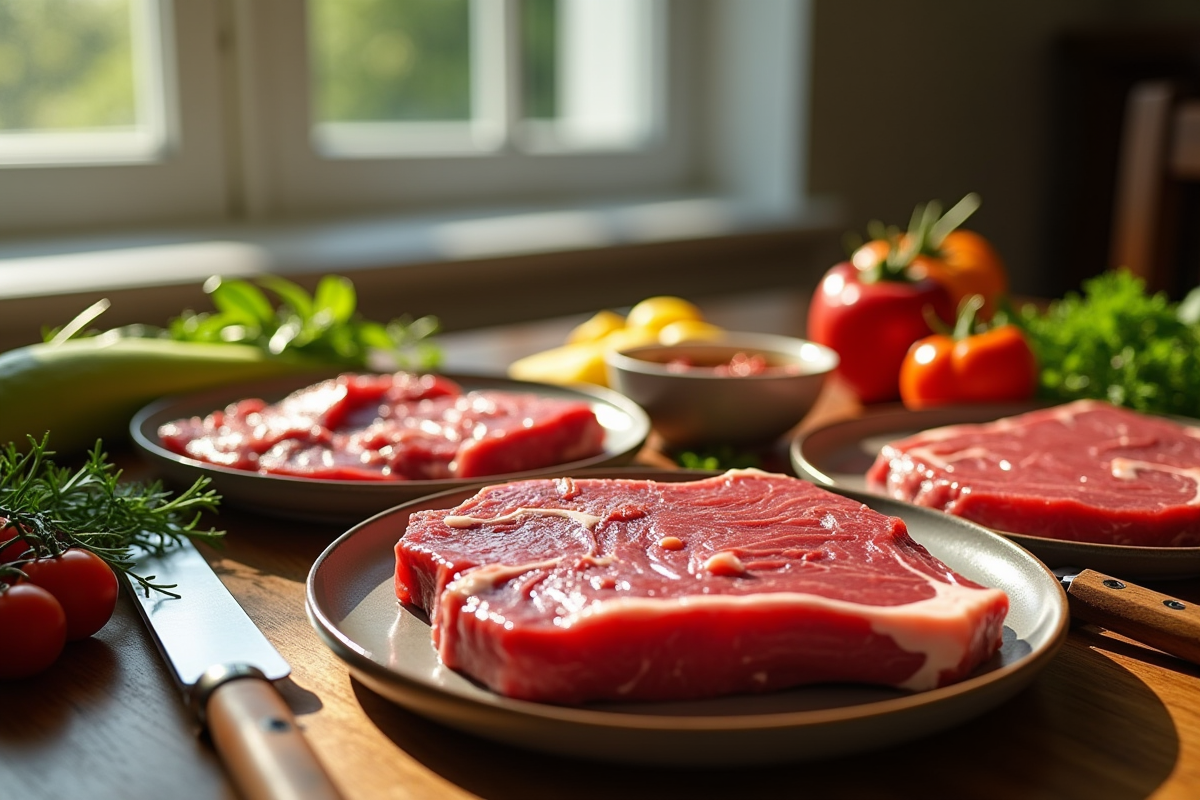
(1109, 737)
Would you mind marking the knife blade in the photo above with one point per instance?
(1159, 620)
(226, 668)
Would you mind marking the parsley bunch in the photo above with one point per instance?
(46, 509)
(1116, 342)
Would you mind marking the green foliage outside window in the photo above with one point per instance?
(66, 64)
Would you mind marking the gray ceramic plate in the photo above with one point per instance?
(351, 603)
(347, 502)
(838, 455)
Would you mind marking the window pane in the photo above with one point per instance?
(591, 73)
(391, 60)
(539, 54)
(78, 81)
(416, 77)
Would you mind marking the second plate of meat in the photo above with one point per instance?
(841, 454)
(345, 501)
(352, 603)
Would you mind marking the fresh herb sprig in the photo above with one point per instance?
(717, 457)
(323, 327)
(1117, 342)
(46, 509)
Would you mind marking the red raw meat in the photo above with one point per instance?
(391, 427)
(1086, 471)
(568, 591)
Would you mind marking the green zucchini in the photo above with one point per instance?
(81, 390)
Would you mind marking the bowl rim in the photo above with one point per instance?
(791, 347)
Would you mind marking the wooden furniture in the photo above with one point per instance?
(1106, 719)
(1156, 220)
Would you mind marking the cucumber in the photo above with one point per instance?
(81, 390)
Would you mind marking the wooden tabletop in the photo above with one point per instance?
(1107, 718)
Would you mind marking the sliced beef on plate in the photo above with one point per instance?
(1084, 471)
(391, 427)
(568, 591)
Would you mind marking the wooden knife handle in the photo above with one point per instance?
(1158, 620)
(260, 744)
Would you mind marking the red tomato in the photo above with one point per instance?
(84, 585)
(993, 366)
(872, 324)
(33, 630)
(15, 550)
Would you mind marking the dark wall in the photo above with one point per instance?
(931, 99)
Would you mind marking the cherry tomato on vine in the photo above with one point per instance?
(33, 630)
(14, 550)
(84, 585)
(975, 363)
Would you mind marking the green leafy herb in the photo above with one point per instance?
(324, 327)
(50, 508)
(1118, 343)
(717, 457)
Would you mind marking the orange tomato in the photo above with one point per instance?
(966, 264)
(994, 366)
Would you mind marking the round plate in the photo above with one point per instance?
(839, 455)
(346, 502)
(352, 604)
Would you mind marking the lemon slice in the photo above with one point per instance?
(571, 363)
(596, 327)
(690, 330)
(655, 313)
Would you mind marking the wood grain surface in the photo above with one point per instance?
(1108, 718)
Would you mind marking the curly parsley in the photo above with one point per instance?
(1116, 342)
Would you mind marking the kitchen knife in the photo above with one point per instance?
(1159, 620)
(225, 668)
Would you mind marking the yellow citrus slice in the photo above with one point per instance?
(596, 327)
(689, 330)
(570, 363)
(655, 313)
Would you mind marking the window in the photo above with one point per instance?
(319, 135)
(394, 79)
(84, 82)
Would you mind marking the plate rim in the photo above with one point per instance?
(143, 425)
(970, 414)
(1021, 671)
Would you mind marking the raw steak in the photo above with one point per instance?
(568, 591)
(1085, 471)
(391, 427)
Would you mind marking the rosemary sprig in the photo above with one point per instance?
(50, 508)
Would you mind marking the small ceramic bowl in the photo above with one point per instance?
(745, 388)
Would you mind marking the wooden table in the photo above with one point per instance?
(1106, 719)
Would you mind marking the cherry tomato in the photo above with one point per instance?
(13, 551)
(872, 323)
(84, 585)
(33, 630)
(971, 365)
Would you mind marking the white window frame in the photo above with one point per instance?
(736, 186)
(141, 188)
(286, 175)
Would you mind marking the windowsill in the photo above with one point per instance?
(467, 269)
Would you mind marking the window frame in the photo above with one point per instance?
(144, 191)
(745, 203)
(287, 176)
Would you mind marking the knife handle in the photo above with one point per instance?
(1158, 620)
(260, 744)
